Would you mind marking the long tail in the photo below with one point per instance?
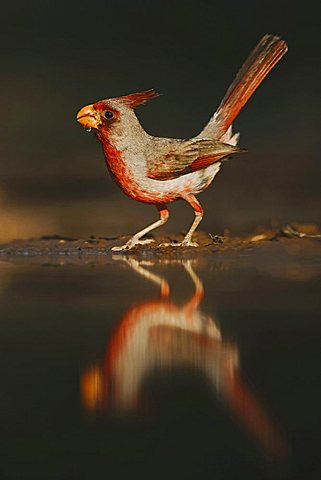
(263, 58)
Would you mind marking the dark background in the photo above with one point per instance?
(58, 56)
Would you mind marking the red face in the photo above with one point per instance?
(102, 113)
(98, 115)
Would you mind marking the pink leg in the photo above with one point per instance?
(198, 210)
(135, 240)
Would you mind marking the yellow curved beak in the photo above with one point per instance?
(88, 117)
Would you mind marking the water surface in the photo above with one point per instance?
(187, 369)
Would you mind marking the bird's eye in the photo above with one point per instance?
(108, 114)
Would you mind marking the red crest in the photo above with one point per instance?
(135, 99)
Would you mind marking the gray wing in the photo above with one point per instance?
(185, 156)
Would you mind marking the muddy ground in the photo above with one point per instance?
(292, 238)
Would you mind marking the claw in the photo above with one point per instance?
(178, 244)
(146, 241)
(189, 243)
(168, 244)
(132, 243)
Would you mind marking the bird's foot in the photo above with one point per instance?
(132, 243)
(184, 243)
(189, 243)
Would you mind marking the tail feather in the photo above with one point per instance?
(263, 58)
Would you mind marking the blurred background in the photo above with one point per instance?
(58, 56)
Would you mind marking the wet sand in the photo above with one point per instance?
(291, 239)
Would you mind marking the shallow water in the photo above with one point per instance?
(204, 368)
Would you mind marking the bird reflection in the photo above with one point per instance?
(160, 335)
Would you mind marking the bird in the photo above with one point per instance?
(158, 170)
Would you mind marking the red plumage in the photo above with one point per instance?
(161, 170)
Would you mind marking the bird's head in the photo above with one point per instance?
(105, 115)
